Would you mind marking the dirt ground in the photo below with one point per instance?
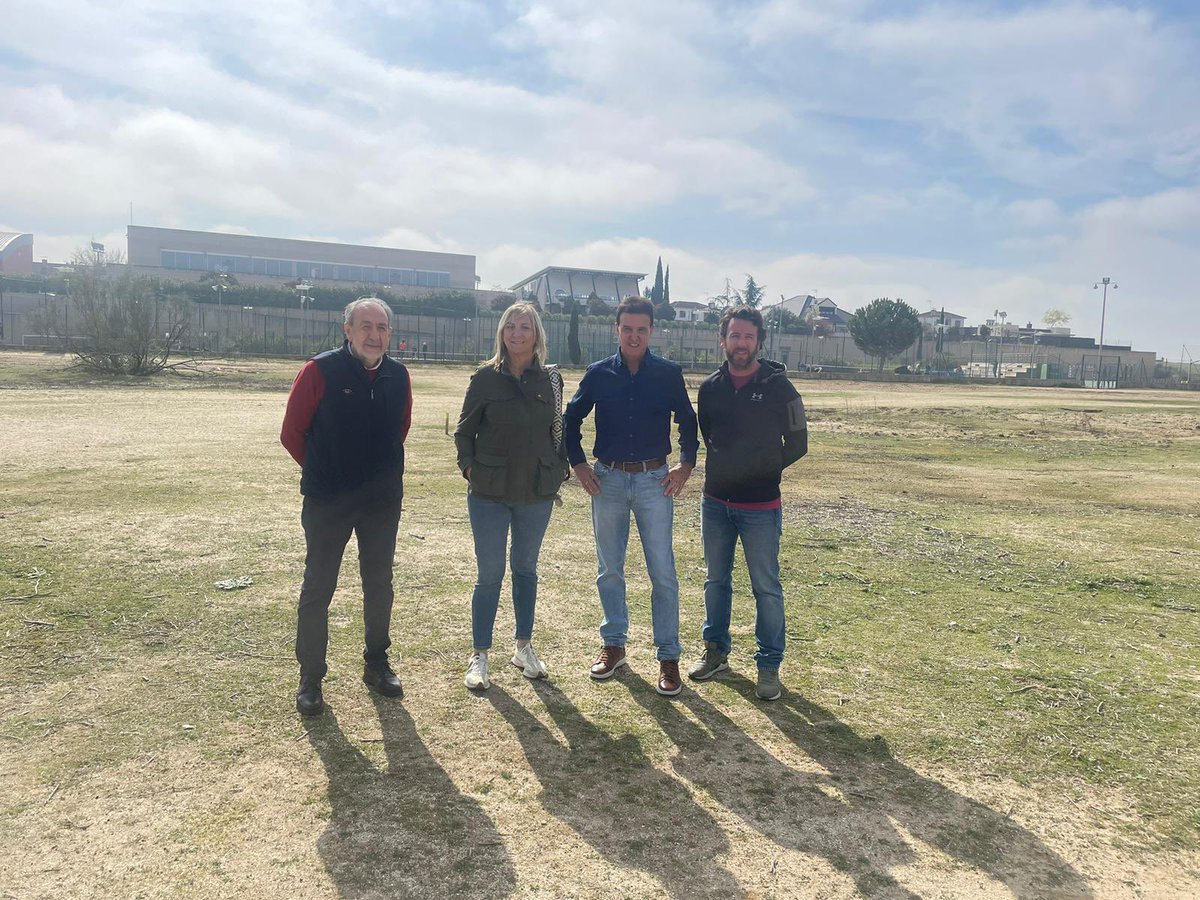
(362, 803)
(155, 752)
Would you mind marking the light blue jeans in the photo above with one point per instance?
(491, 522)
(640, 493)
(759, 530)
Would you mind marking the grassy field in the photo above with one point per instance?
(992, 680)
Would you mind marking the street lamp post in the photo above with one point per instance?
(1001, 315)
(778, 324)
(302, 288)
(1105, 282)
(47, 296)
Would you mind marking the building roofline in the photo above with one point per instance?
(8, 237)
(267, 237)
(549, 269)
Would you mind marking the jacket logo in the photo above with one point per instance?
(347, 391)
(757, 398)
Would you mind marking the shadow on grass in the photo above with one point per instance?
(610, 794)
(407, 831)
(857, 812)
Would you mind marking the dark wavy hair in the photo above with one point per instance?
(747, 314)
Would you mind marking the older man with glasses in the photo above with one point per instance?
(347, 417)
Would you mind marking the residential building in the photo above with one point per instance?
(935, 316)
(689, 310)
(815, 310)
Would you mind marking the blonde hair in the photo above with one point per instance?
(539, 343)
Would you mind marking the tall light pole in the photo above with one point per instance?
(67, 310)
(1001, 315)
(1105, 281)
(778, 324)
(302, 288)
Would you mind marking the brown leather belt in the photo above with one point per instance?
(645, 465)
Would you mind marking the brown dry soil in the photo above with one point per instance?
(150, 747)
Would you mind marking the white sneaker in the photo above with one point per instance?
(477, 673)
(525, 659)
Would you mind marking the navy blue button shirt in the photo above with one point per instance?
(633, 412)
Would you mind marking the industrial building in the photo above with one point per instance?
(185, 255)
(16, 253)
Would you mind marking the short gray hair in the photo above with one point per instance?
(354, 305)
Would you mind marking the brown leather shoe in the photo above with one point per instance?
(610, 659)
(668, 678)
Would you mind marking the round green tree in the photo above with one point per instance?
(884, 328)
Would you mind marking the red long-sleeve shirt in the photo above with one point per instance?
(307, 391)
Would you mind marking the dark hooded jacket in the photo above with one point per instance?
(750, 435)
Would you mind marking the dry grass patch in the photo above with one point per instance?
(992, 670)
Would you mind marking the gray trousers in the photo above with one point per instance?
(373, 517)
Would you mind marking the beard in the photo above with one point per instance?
(740, 359)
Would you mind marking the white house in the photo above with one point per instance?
(810, 309)
(689, 310)
(934, 316)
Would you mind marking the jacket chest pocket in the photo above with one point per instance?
(507, 412)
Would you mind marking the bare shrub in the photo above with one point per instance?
(120, 326)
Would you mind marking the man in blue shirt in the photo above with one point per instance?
(634, 394)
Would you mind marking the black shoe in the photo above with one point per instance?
(309, 701)
(384, 680)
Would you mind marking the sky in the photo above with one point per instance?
(976, 156)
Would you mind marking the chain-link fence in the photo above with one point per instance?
(44, 320)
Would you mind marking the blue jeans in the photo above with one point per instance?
(640, 493)
(491, 522)
(721, 526)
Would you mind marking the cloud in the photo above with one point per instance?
(983, 156)
(1034, 215)
(1050, 95)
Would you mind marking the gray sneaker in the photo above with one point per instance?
(769, 687)
(709, 664)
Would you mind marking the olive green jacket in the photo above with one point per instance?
(505, 438)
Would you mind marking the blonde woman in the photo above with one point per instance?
(509, 449)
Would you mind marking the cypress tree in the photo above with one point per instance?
(656, 293)
(574, 351)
